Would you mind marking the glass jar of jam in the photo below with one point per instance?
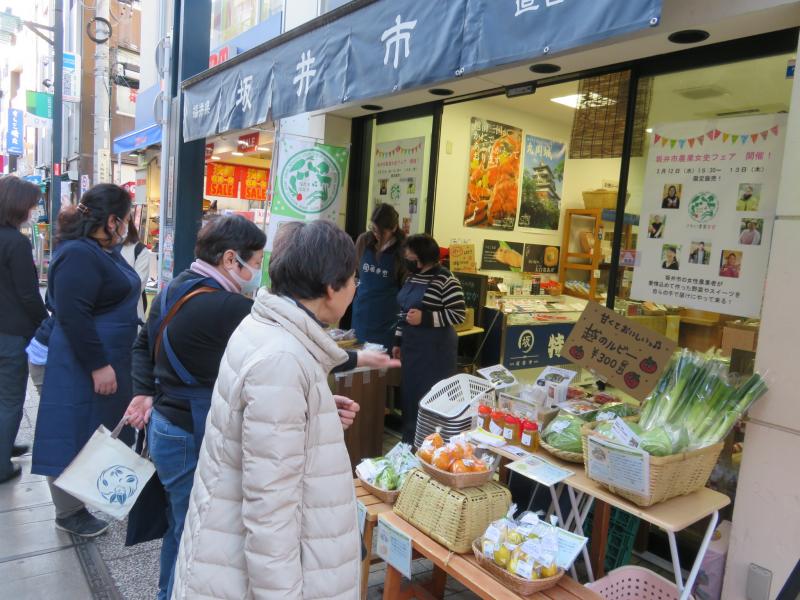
(484, 416)
(529, 438)
(512, 429)
(498, 422)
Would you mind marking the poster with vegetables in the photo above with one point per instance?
(710, 196)
(397, 179)
(625, 353)
(502, 256)
(542, 183)
(494, 163)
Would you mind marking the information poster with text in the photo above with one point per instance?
(397, 179)
(709, 204)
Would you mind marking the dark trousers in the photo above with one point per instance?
(13, 383)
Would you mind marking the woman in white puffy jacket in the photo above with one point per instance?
(273, 512)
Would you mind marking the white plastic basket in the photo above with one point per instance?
(451, 398)
(631, 582)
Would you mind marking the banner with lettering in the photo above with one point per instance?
(254, 183)
(222, 180)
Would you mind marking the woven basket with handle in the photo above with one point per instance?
(670, 476)
(454, 518)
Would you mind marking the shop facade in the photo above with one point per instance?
(604, 120)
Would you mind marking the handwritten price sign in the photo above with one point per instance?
(629, 355)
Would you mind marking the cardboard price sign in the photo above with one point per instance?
(630, 356)
(462, 258)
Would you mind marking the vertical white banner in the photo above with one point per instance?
(709, 204)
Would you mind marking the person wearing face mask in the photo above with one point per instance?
(431, 301)
(380, 273)
(176, 361)
(93, 293)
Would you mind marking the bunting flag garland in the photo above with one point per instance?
(398, 151)
(713, 135)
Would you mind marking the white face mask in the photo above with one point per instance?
(124, 235)
(248, 286)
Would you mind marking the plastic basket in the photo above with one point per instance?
(452, 397)
(629, 583)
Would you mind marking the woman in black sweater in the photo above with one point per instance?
(21, 312)
(94, 294)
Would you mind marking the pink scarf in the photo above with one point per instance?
(201, 267)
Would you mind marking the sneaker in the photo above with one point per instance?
(16, 471)
(82, 523)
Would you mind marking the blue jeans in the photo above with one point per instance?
(13, 383)
(174, 454)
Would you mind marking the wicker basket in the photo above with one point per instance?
(670, 476)
(454, 518)
(387, 496)
(573, 457)
(602, 198)
(518, 585)
(457, 481)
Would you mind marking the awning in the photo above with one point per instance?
(389, 46)
(137, 140)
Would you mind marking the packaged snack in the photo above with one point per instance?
(442, 458)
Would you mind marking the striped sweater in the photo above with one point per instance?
(443, 303)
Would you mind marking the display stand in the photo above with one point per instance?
(374, 507)
(670, 516)
(464, 569)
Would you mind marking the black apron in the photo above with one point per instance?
(429, 355)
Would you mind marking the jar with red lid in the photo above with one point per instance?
(529, 437)
(498, 422)
(484, 416)
(512, 429)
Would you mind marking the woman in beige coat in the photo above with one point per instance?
(273, 512)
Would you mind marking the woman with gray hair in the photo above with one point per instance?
(272, 512)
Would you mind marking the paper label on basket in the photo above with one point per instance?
(487, 547)
(618, 465)
(492, 534)
(559, 426)
(530, 518)
(569, 546)
(621, 431)
(362, 515)
(525, 569)
(394, 547)
(540, 470)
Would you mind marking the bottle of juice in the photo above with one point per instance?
(498, 422)
(529, 439)
(511, 430)
(484, 416)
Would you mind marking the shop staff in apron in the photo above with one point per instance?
(380, 273)
(94, 294)
(176, 360)
(431, 302)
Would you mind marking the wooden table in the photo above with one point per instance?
(671, 516)
(374, 507)
(465, 569)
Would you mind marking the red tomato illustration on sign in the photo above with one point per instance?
(648, 365)
(631, 379)
(576, 352)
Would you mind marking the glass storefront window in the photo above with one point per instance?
(229, 18)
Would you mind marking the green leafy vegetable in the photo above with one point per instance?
(564, 433)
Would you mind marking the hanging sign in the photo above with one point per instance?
(248, 142)
(628, 355)
(221, 180)
(71, 77)
(710, 198)
(534, 346)
(14, 135)
(394, 547)
(397, 176)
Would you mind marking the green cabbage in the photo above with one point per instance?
(387, 478)
(656, 442)
(564, 433)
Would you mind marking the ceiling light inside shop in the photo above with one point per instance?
(237, 153)
(215, 157)
(263, 148)
(649, 130)
(588, 100)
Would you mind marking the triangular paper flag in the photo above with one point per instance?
(764, 134)
(691, 142)
(656, 139)
(744, 139)
(700, 139)
(735, 139)
(725, 137)
(774, 130)
(710, 134)
(664, 142)
(682, 143)
(672, 143)
(754, 137)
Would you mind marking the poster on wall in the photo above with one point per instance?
(542, 183)
(221, 181)
(397, 180)
(308, 184)
(254, 183)
(709, 203)
(540, 259)
(492, 185)
(502, 256)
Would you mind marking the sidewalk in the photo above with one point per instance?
(39, 561)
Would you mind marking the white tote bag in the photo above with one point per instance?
(106, 474)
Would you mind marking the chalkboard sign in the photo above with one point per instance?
(474, 287)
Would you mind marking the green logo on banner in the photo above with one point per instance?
(703, 207)
(310, 181)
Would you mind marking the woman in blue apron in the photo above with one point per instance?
(431, 303)
(94, 294)
(380, 274)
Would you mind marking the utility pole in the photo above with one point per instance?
(102, 96)
(58, 112)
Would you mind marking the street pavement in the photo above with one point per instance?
(39, 561)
